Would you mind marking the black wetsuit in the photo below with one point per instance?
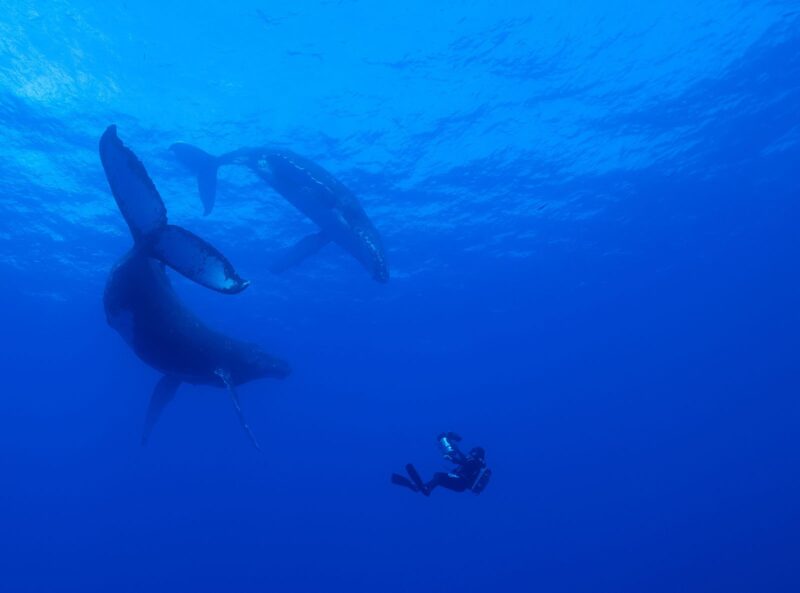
(463, 477)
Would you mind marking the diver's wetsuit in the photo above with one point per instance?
(460, 479)
(463, 477)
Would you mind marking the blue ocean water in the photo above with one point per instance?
(590, 213)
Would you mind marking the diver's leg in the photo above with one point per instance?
(438, 479)
(448, 481)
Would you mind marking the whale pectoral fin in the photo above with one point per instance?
(225, 376)
(196, 259)
(162, 394)
(301, 250)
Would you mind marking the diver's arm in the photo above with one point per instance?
(450, 450)
(457, 457)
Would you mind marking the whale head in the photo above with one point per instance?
(253, 363)
(369, 251)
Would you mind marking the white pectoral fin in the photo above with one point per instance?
(162, 394)
(304, 248)
(225, 376)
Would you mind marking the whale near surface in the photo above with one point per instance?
(310, 189)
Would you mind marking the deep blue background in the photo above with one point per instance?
(591, 217)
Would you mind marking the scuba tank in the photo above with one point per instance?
(478, 487)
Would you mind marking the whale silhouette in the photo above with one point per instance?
(309, 188)
(141, 305)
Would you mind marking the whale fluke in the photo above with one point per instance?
(188, 254)
(136, 195)
(204, 166)
(144, 211)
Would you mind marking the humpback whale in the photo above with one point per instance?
(142, 307)
(309, 188)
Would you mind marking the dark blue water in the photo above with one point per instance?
(590, 211)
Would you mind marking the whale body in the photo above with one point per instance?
(141, 305)
(309, 188)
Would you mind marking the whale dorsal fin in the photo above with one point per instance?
(162, 394)
(226, 378)
(304, 248)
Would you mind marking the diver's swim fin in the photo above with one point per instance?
(416, 479)
(301, 250)
(403, 481)
(162, 394)
(479, 486)
(204, 166)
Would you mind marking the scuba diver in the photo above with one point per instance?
(465, 476)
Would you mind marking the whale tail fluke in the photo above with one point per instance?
(204, 166)
(196, 259)
(143, 209)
